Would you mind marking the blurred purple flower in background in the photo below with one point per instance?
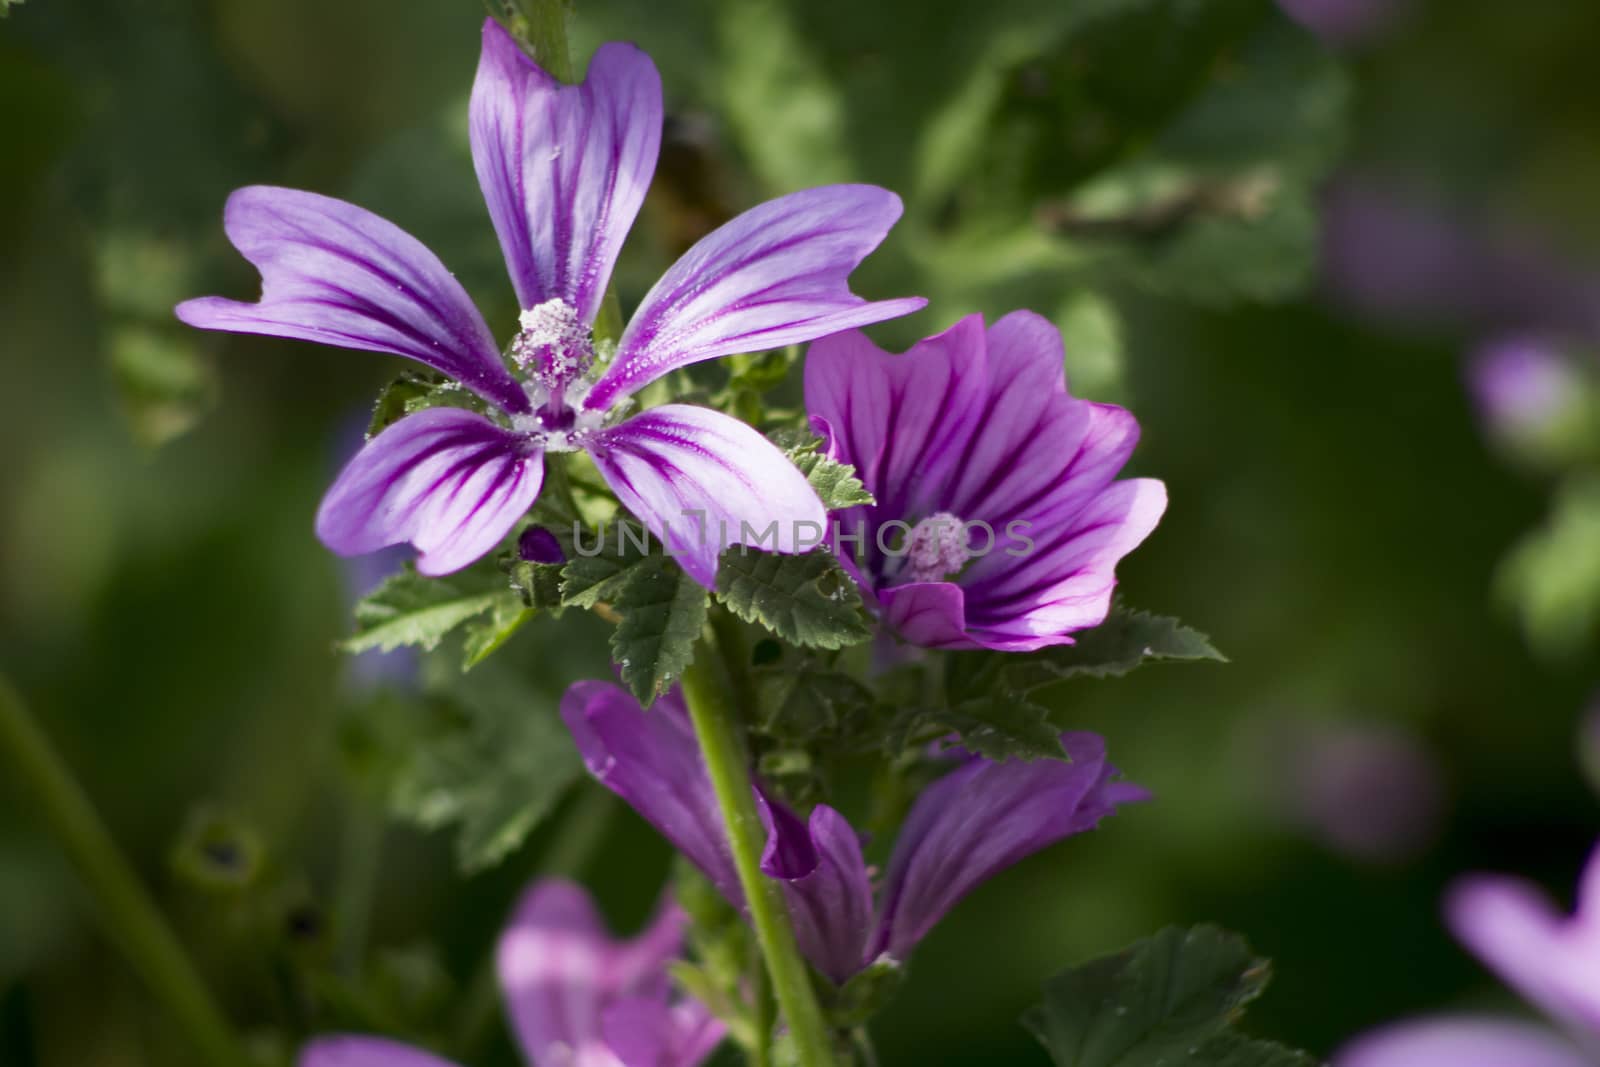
(1523, 387)
(1368, 790)
(1002, 483)
(1343, 22)
(1396, 256)
(564, 169)
(576, 998)
(1551, 959)
(975, 821)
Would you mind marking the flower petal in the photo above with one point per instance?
(337, 274)
(776, 275)
(825, 882)
(365, 1052)
(928, 614)
(983, 817)
(1514, 928)
(651, 760)
(560, 969)
(649, 1032)
(447, 480)
(563, 168)
(904, 421)
(1064, 580)
(1460, 1042)
(701, 481)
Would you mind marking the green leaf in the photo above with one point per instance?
(494, 767)
(165, 383)
(801, 705)
(663, 611)
(408, 609)
(836, 483)
(1126, 640)
(482, 636)
(806, 600)
(589, 580)
(1551, 578)
(1004, 726)
(415, 391)
(1172, 998)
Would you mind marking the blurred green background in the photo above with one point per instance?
(1154, 174)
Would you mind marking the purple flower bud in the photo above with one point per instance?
(538, 545)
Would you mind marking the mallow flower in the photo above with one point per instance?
(976, 820)
(564, 169)
(575, 997)
(1551, 959)
(998, 521)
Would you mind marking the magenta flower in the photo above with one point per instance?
(576, 997)
(977, 820)
(1552, 959)
(564, 170)
(996, 481)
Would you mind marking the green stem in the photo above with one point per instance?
(541, 25)
(128, 915)
(358, 880)
(716, 729)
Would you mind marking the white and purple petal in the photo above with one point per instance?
(560, 972)
(702, 481)
(339, 275)
(825, 884)
(446, 480)
(983, 817)
(651, 760)
(564, 168)
(775, 275)
(353, 1051)
(1464, 1041)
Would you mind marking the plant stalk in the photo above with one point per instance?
(717, 730)
(127, 914)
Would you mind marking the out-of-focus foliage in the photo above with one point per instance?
(1146, 172)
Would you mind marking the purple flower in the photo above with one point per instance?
(564, 170)
(1552, 959)
(1522, 386)
(997, 482)
(576, 997)
(1342, 21)
(978, 819)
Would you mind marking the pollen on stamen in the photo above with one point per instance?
(553, 345)
(936, 548)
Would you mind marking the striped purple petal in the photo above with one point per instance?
(447, 480)
(563, 168)
(339, 275)
(983, 817)
(352, 1051)
(702, 481)
(650, 759)
(825, 883)
(1462, 1041)
(561, 973)
(776, 275)
(977, 425)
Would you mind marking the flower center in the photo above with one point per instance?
(553, 347)
(936, 548)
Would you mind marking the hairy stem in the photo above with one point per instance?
(126, 912)
(717, 730)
